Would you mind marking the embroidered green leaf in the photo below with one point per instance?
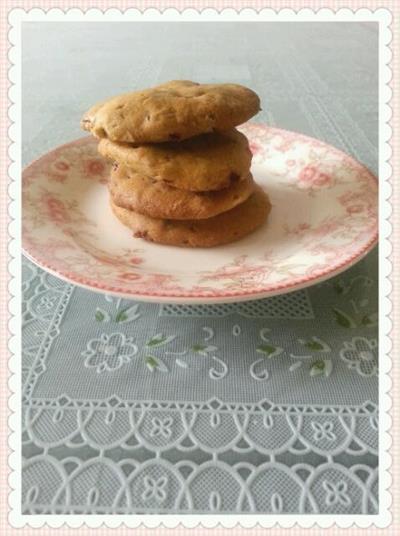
(156, 341)
(343, 319)
(121, 315)
(159, 340)
(154, 363)
(338, 287)
(317, 367)
(314, 345)
(99, 316)
(203, 349)
(321, 366)
(128, 314)
(369, 320)
(151, 362)
(266, 349)
(198, 347)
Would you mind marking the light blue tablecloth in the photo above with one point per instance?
(266, 406)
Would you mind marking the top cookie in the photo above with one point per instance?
(172, 111)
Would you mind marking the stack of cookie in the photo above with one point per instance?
(181, 173)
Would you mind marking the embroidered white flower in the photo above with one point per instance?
(109, 352)
(361, 354)
(46, 304)
(323, 430)
(336, 493)
(155, 488)
(161, 427)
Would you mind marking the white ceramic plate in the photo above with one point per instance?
(324, 219)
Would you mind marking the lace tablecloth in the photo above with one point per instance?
(266, 406)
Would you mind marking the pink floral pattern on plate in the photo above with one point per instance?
(324, 219)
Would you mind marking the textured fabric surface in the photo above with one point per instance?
(266, 406)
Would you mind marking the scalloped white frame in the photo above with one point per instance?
(384, 18)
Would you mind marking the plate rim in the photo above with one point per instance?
(204, 300)
(225, 295)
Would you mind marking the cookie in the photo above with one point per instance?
(206, 162)
(143, 194)
(172, 111)
(222, 229)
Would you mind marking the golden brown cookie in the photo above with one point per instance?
(206, 162)
(156, 199)
(172, 111)
(222, 229)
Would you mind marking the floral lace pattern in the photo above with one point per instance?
(159, 410)
(361, 354)
(109, 352)
(287, 441)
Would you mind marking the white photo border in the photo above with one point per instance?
(383, 17)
